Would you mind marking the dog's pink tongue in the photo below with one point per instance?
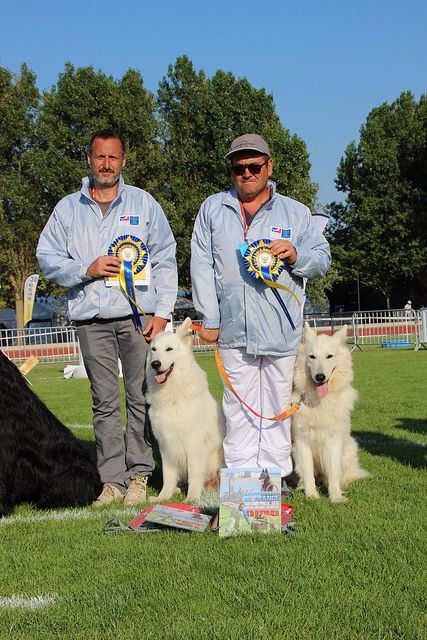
(322, 390)
(160, 377)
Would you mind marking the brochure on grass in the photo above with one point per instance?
(249, 501)
(178, 518)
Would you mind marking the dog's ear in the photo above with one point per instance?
(184, 331)
(342, 334)
(308, 331)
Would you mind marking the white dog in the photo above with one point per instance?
(322, 442)
(186, 420)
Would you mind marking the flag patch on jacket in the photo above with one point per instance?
(125, 220)
(280, 233)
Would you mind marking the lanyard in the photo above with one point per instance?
(245, 222)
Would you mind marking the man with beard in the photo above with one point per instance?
(89, 239)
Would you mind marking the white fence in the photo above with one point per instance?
(55, 344)
(47, 344)
(393, 329)
(387, 329)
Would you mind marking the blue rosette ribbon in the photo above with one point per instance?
(260, 262)
(134, 255)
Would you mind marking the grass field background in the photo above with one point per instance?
(354, 570)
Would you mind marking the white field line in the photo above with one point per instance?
(35, 602)
(393, 442)
(78, 425)
(68, 514)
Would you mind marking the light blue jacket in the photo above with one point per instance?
(77, 233)
(226, 296)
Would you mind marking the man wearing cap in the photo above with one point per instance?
(257, 326)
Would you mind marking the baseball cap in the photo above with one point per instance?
(249, 142)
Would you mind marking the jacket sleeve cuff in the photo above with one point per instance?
(299, 262)
(82, 274)
(211, 323)
(163, 313)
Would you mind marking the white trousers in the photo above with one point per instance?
(265, 384)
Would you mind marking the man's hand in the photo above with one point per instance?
(209, 335)
(104, 266)
(155, 325)
(284, 249)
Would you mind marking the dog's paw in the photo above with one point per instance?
(338, 498)
(160, 497)
(312, 494)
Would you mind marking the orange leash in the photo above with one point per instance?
(226, 379)
(281, 416)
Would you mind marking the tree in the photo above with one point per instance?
(20, 191)
(380, 231)
(199, 118)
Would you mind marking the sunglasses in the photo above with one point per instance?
(255, 169)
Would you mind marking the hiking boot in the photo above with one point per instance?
(137, 491)
(109, 494)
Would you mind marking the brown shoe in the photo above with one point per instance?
(137, 491)
(109, 494)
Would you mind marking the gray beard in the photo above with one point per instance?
(107, 181)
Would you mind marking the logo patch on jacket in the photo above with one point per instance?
(125, 220)
(278, 233)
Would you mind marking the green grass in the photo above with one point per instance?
(355, 570)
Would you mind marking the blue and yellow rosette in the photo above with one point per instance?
(134, 255)
(260, 262)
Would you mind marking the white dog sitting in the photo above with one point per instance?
(185, 418)
(322, 444)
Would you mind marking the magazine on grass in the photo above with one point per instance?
(250, 500)
(178, 518)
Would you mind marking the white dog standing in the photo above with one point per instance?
(186, 420)
(321, 427)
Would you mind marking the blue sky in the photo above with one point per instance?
(327, 63)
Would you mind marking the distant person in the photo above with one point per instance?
(109, 216)
(257, 338)
(409, 312)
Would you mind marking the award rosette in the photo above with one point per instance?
(134, 255)
(260, 262)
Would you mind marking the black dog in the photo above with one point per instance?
(41, 462)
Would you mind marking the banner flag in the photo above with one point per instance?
(30, 287)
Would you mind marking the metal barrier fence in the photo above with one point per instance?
(57, 344)
(388, 329)
(393, 329)
(47, 344)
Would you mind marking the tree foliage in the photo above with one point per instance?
(380, 231)
(20, 191)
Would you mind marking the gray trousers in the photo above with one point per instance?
(119, 455)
